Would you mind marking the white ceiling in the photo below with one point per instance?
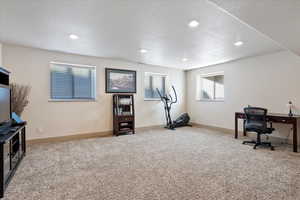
(119, 28)
(279, 19)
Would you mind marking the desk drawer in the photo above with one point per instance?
(284, 120)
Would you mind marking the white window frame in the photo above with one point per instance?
(199, 86)
(153, 74)
(79, 66)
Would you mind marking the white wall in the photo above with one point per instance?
(0, 54)
(48, 119)
(268, 81)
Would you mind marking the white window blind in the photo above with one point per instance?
(72, 82)
(153, 81)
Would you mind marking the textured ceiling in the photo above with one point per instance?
(119, 28)
(278, 19)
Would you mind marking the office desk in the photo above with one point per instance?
(275, 118)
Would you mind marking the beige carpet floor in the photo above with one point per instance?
(186, 164)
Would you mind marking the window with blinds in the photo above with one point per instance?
(153, 81)
(71, 82)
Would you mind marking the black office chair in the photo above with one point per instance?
(256, 121)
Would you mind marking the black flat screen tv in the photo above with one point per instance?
(5, 114)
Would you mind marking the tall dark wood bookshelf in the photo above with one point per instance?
(123, 114)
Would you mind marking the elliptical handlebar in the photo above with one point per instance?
(161, 97)
(175, 95)
(168, 97)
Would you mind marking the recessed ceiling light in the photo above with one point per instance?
(238, 43)
(143, 50)
(193, 24)
(184, 59)
(73, 37)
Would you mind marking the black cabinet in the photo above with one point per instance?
(12, 151)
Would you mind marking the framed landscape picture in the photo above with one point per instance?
(120, 81)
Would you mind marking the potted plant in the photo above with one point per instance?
(19, 97)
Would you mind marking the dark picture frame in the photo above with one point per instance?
(120, 81)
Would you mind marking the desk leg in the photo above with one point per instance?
(236, 127)
(295, 142)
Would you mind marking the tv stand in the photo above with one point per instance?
(12, 151)
(5, 129)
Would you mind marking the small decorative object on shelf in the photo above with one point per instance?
(123, 114)
(290, 106)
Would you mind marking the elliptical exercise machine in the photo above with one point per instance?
(182, 120)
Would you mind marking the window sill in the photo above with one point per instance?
(72, 100)
(158, 99)
(211, 100)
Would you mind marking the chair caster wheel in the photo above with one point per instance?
(254, 147)
(244, 143)
(272, 148)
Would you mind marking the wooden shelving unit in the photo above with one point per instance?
(123, 114)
